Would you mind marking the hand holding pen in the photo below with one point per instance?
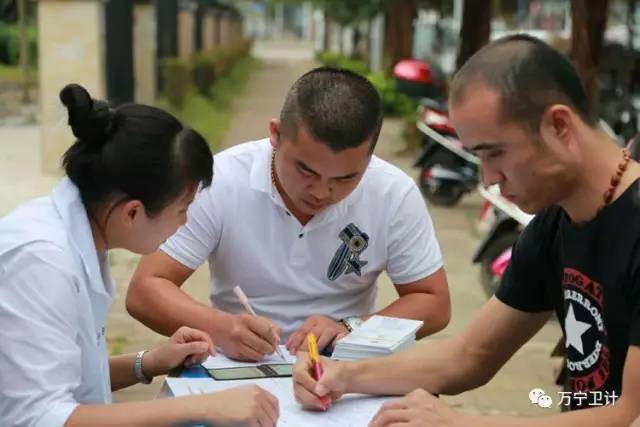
(312, 344)
(273, 335)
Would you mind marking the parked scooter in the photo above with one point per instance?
(494, 253)
(447, 170)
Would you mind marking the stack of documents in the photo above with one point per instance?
(378, 336)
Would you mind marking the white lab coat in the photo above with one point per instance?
(55, 293)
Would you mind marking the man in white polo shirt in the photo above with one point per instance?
(304, 222)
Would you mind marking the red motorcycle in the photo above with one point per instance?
(447, 170)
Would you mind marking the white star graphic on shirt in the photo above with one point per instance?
(574, 330)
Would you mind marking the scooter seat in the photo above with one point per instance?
(434, 104)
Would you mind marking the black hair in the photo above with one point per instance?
(338, 107)
(132, 152)
(529, 75)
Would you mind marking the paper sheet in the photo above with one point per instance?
(349, 411)
(222, 361)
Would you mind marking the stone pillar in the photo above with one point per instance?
(235, 30)
(208, 31)
(376, 43)
(308, 30)
(279, 20)
(186, 28)
(144, 52)
(319, 29)
(217, 28)
(71, 50)
(225, 29)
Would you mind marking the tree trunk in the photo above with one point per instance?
(326, 40)
(475, 29)
(631, 13)
(356, 37)
(589, 19)
(398, 32)
(24, 49)
(366, 47)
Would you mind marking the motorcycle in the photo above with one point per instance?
(494, 253)
(447, 170)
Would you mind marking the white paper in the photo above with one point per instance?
(378, 336)
(350, 411)
(388, 328)
(221, 361)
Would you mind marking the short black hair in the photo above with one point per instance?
(132, 152)
(338, 107)
(529, 75)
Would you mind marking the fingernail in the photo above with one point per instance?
(321, 390)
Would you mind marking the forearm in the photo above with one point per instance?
(430, 308)
(121, 371)
(164, 307)
(618, 415)
(439, 367)
(162, 412)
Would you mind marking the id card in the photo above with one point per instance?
(251, 372)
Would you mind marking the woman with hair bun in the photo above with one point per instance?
(130, 177)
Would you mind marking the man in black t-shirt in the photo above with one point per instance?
(520, 106)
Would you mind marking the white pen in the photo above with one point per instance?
(245, 302)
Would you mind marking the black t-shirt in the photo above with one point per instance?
(590, 275)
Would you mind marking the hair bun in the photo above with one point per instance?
(90, 119)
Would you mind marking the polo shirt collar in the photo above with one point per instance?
(260, 180)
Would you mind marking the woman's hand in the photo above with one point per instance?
(186, 347)
(245, 406)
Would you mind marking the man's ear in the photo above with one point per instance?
(557, 122)
(557, 126)
(274, 132)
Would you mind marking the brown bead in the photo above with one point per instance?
(615, 179)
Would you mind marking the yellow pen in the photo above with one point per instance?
(312, 344)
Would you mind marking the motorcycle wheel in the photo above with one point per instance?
(445, 195)
(488, 280)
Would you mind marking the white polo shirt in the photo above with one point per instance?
(328, 266)
(55, 293)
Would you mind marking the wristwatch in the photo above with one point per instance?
(137, 368)
(351, 323)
